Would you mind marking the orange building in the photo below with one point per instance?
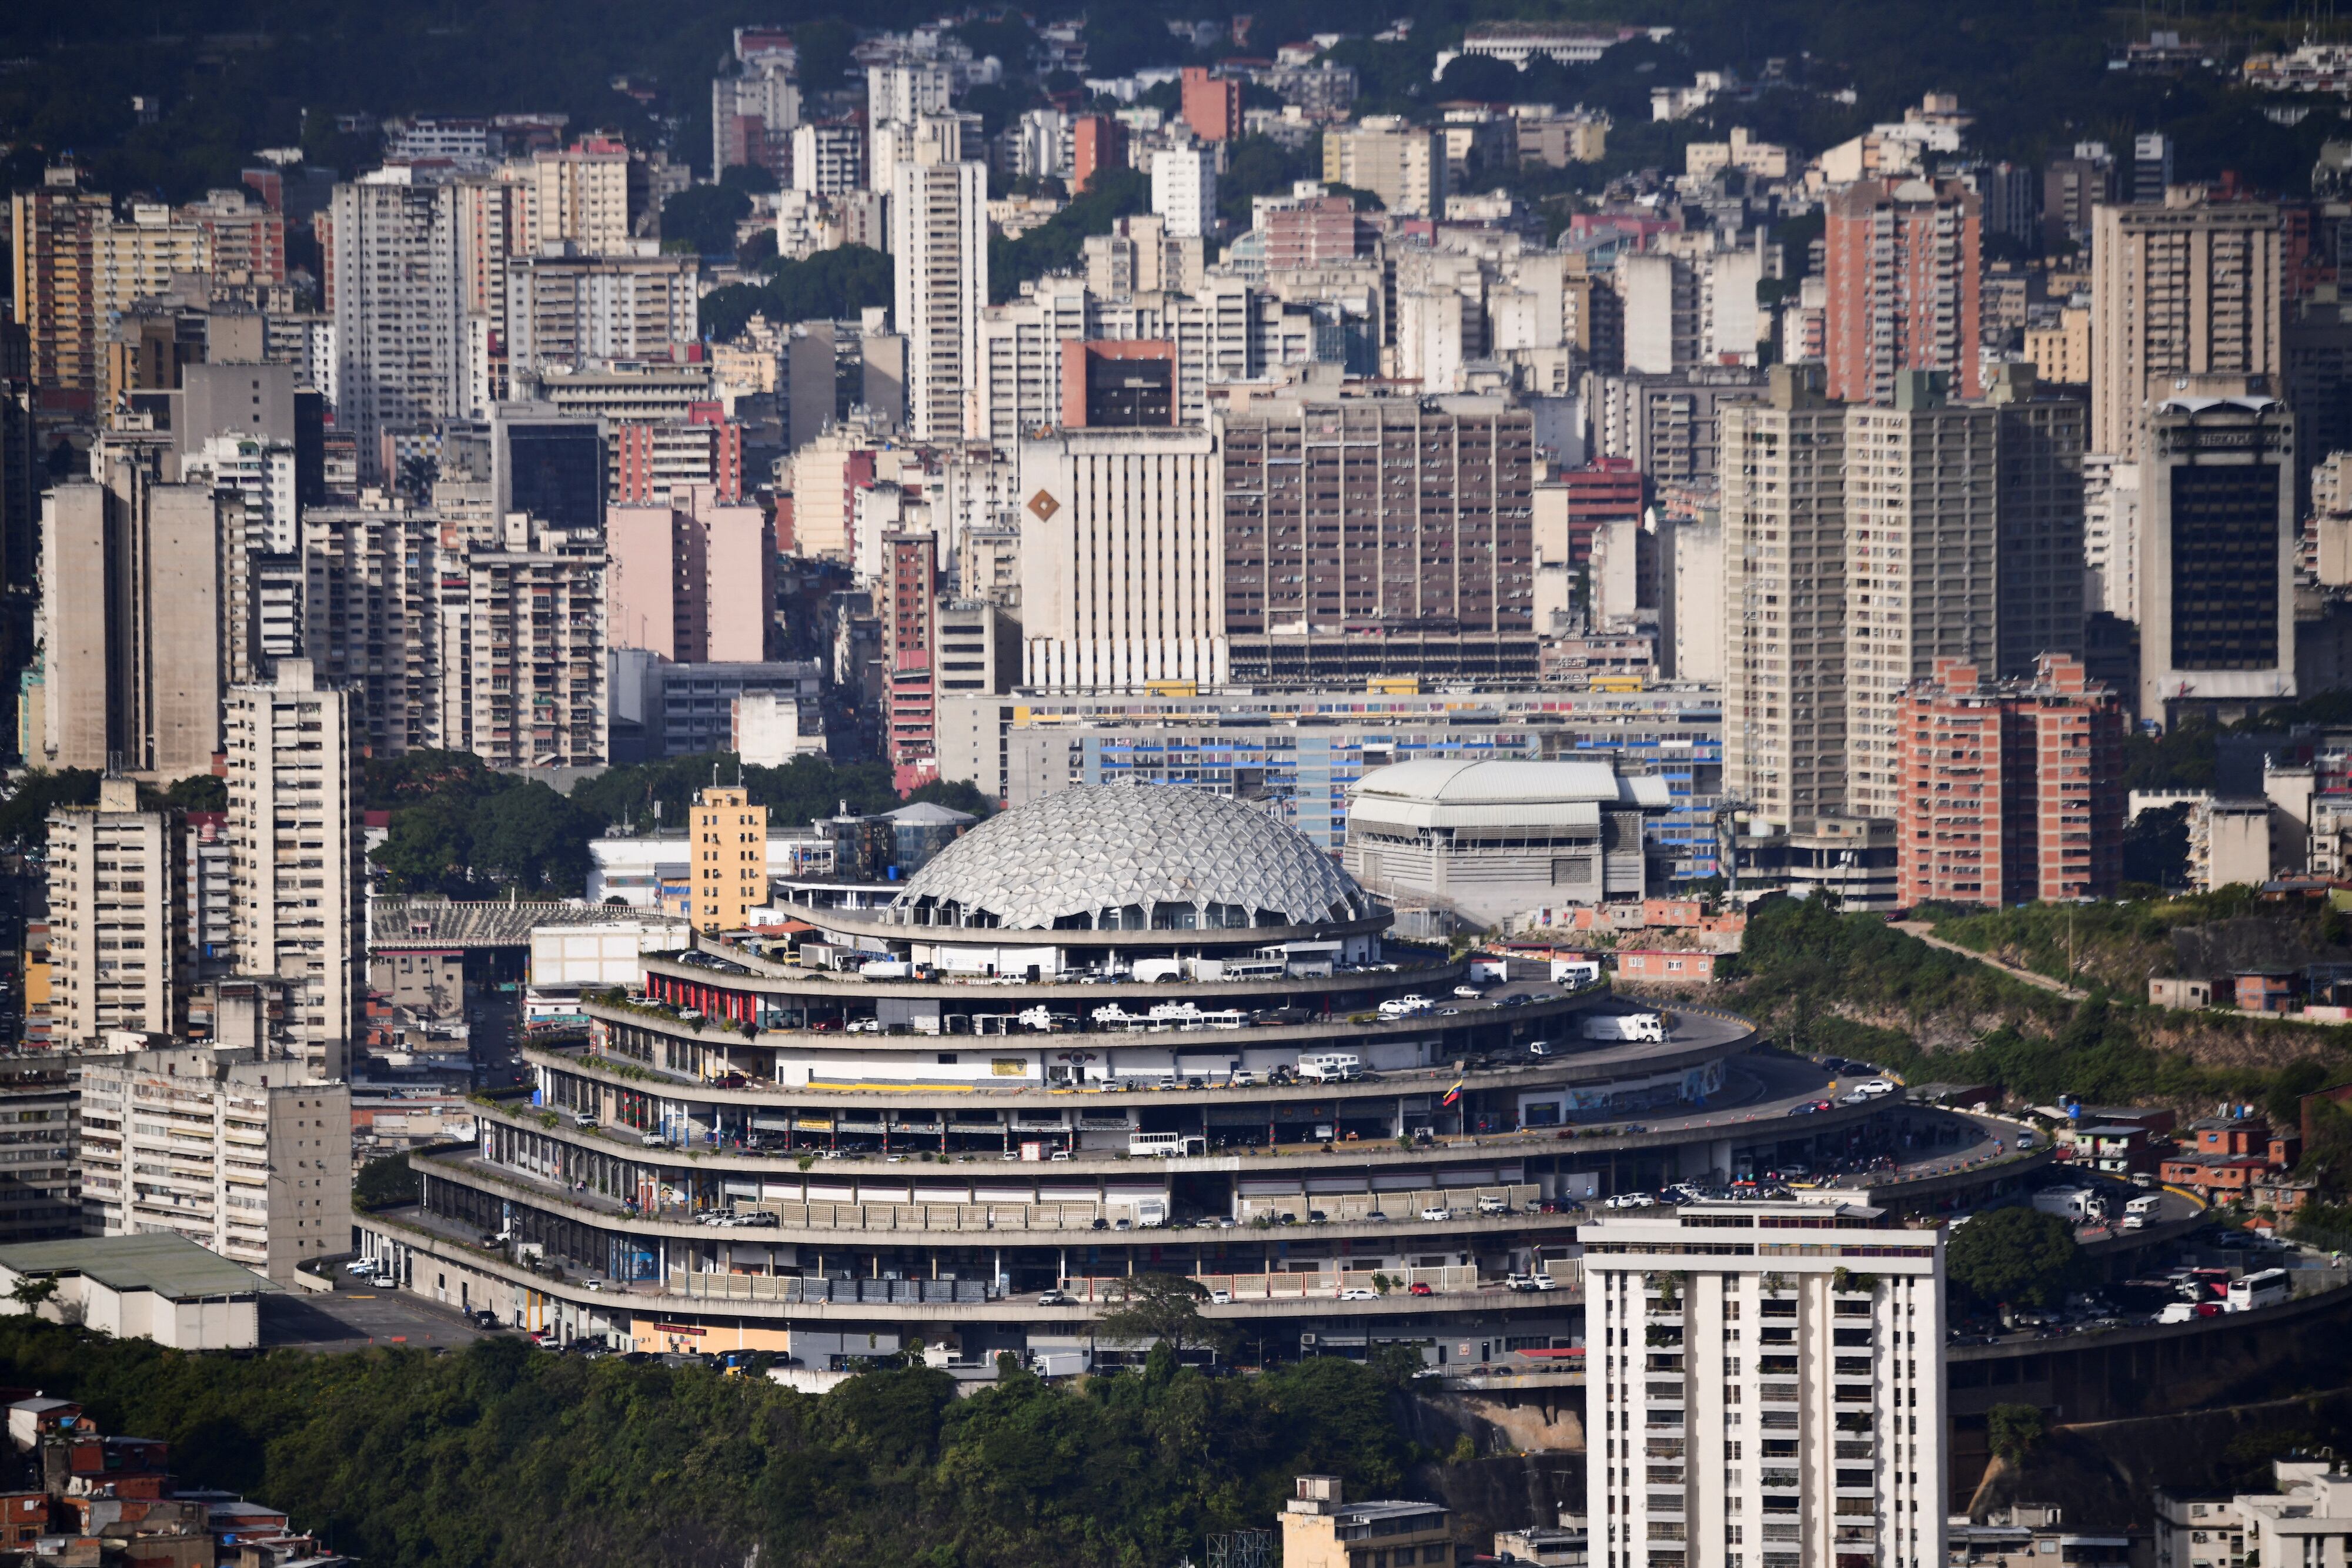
(2009, 791)
(1097, 141)
(1902, 260)
(1211, 105)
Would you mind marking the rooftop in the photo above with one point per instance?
(171, 1265)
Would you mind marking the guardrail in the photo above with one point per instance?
(1452, 1279)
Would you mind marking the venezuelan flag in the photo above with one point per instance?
(1454, 1093)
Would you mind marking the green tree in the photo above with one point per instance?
(2013, 1430)
(532, 839)
(831, 286)
(701, 219)
(1160, 1308)
(385, 1182)
(2018, 1256)
(1056, 245)
(34, 1291)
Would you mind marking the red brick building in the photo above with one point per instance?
(1313, 233)
(1211, 105)
(1608, 490)
(1903, 264)
(1097, 141)
(2009, 790)
(908, 604)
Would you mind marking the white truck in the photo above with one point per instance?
(1490, 971)
(1621, 1026)
(1576, 971)
(1330, 1067)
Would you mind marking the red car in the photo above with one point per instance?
(1419, 1289)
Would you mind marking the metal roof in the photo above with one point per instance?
(1446, 792)
(171, 1265)
(1102, 846)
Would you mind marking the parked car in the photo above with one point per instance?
(1417, 1289)
(1055, 1299)
(1359, 1293)
(1437, 1214)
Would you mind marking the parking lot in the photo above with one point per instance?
(356, 1316)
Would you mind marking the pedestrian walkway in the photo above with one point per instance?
(1927, 933)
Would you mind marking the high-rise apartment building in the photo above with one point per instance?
(134, 611)
(1184, 190)
(1753, 1399)
(1920, 569)
(136, 258)
(939, 243)
(54, 253)
(829, 159)
(1210, 104)
(729, 836)
(1122, 559)
(2185, 289)
(1782, 467)
(239, 1153)
(2012, 790)
(371, 621)
(117, 913)
(580, 196)
(1660, 294)
(40, 1190)
(523, 641)
(295, 848)
(574, 310)
(2039, 505)
(909, 609)
(693, 580)
(1401, 162)
(1393, 535)
(1903, 263)
(394, 288)
(1097, 145)
(2216, 557)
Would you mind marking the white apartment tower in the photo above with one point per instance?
(1784, 636)
(395, 289)
(294, 846)
(1764, 1387)
(1184, 190)
(116, 913)
(245, 1156)
(1122, 559)
(1920, 558)
(939, 240)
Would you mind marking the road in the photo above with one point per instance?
(1925, 932)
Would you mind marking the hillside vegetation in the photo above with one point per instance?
(502, 1455)
(1821, 981)
(2122, 945)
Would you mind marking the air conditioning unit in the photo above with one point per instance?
(1306, 1339)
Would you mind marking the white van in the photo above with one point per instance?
(1331, 1066)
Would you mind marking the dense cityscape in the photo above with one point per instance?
(1126, 786)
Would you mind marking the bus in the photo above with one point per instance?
(1166, 1145)
(2267, 1288)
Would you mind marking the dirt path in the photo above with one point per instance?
(1927, 933)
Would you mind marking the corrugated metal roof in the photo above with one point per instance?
(1583, 814)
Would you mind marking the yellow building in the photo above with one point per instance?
(2062, 353)
(1320, 1530)
(730, 839)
